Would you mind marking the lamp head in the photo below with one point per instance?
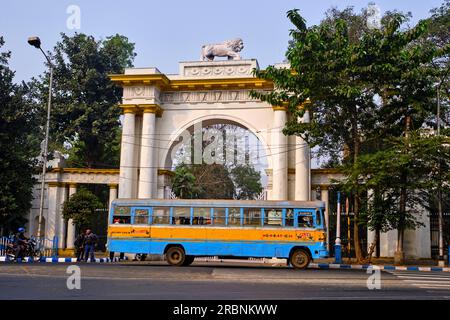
(35, 42)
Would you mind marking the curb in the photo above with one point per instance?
(380, 267)
(63, 260)
(275, 262)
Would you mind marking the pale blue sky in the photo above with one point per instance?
(166, 32)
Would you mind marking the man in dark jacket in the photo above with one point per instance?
(79, 246)
(20, 243)
(89, 244)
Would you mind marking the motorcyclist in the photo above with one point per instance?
(20, 242)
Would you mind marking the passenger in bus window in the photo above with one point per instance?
(289, 218)
(306, 222)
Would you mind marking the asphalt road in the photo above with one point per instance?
(156, 280)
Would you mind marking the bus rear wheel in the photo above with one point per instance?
(175, 256)
(300, 259)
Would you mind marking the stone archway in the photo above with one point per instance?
(165, 161)
(237, 145)
(157, 108)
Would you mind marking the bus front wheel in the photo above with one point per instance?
(300, 259)
(175, 256)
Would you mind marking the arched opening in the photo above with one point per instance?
(219, 142)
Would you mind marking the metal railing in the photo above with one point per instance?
(48, 247)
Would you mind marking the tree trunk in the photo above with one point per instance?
(356, 239)
(356, 145)
(399, 257)
(373, 246)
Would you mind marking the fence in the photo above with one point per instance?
(48, 247)
(434, 232)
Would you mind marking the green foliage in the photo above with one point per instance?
(247, 181)
(184, 183)
(19, 145)
(81, 207)
(364, 86)
(85, 113)
(215, 181)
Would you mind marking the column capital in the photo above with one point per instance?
(113, 186)
(72, 185)
(304, 104)
(322, 187)
(283, 107)
(165, 172)
(151, 108)
(56, 184)
(128, 108)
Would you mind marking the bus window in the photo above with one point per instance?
(305, 220)
(141, 216)
(122, 215)
(182, 215)
(161, 215)
(234, 216)
(289, 221)
(318, 219)
(219, 216)
(252, 217)
(273, 217)
(202, 216)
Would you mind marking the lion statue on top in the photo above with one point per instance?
(229, 48)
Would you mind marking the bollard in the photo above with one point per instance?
(337, 254)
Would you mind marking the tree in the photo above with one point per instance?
(183, 183)
(19, 145)
(85, 113)
(344, 79)
(247, 182)
(203, 181)
(81, 208)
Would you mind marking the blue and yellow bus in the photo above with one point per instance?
(185, 229)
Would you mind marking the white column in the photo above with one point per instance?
(146, 165)
(279, 155)
(112, 194)
(53, 202)
(61, 221)
(70, 226)
(324, 198)
(302, 167)
(127, 154)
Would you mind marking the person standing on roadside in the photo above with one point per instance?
(89, 244)
(79, 246)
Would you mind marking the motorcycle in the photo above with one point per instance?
(31, 250)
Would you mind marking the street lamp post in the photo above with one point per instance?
(36, 42)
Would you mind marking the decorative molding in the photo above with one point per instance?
(86, 171)
(211, 96)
